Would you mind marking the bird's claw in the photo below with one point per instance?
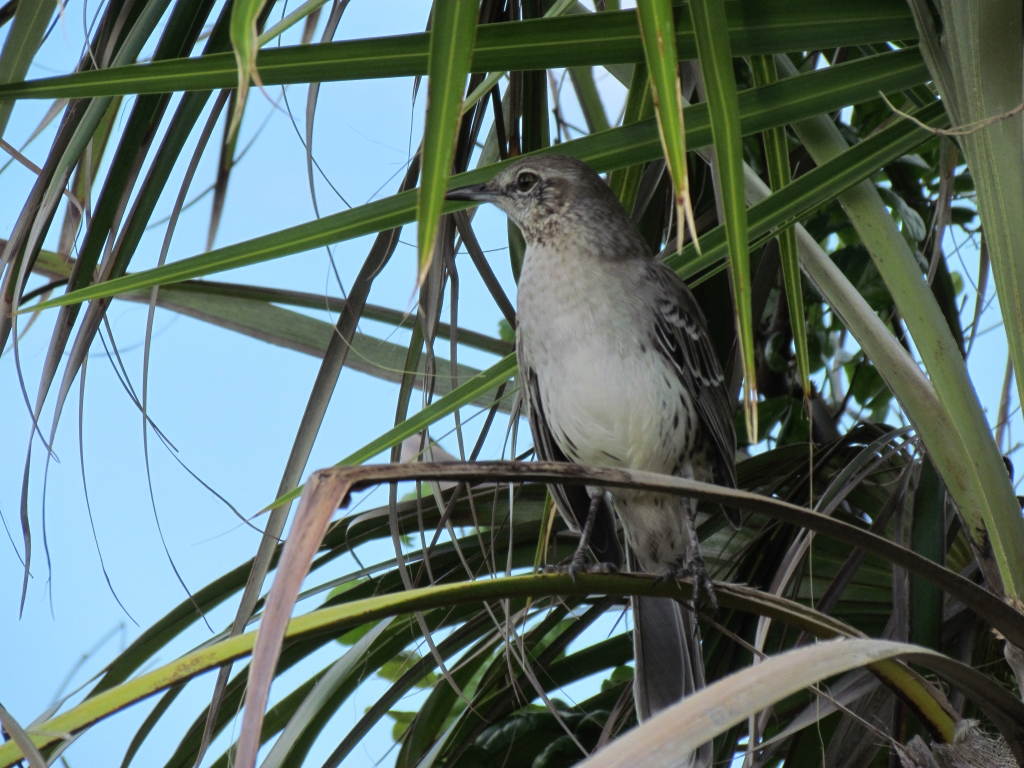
(695, 571)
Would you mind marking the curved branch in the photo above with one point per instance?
(985, 604)
(329, 488)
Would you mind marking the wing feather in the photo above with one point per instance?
(682, 336)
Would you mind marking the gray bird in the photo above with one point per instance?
(617, 370)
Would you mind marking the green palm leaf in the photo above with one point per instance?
(710, 26)
(244, 15)
(787, 100)
(657, 28)
(451, 50)
(773, 26)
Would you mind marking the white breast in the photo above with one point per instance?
(609, 397)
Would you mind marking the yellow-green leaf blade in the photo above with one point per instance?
(788, 100)
(451, 50)
(777, 155)
(244, 41)
(289, 21)
(23, 40)
(658, 32)
(715, 54)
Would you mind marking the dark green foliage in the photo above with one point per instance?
(831, 448)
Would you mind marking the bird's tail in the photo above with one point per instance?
(669, 663)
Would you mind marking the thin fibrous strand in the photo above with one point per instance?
(979, 304)
(1004, 403)
(204, 138)
(85, 491)
(312, 159)
(484, 268)
(499, 123)
(461, 487)
(156, 517)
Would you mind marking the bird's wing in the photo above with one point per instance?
(572, 501)
(682, 336)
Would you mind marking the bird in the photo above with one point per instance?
(616, 369)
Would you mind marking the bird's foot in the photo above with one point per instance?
(697, 572)
(580, 564)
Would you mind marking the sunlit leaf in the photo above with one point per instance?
(771, 26)
(657, 29)
(451, 50)
(23, 39)
(711, 28)
(788, 100)
(244, 42)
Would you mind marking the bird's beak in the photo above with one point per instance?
(479, 193)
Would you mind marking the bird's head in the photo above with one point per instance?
(548, 195)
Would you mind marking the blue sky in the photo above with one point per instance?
(230, 404)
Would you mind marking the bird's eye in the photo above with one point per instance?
(526, 180)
